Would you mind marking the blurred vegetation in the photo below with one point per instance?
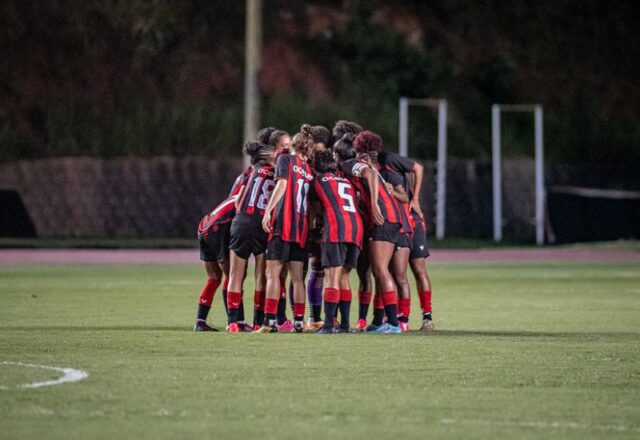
(131, 77)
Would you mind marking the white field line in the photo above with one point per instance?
(542, 425)
(70, 375)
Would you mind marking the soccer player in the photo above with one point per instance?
(213, 238)
(367, 151)
(288, 228)
(247, 236)
(419, 249)
(342, 238)
(382, 215)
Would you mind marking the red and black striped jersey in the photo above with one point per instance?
(256, 193)
(352, 169)
(225, 211)
(342, 221)
(290, 221)
(396, 179)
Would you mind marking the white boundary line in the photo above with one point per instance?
(70, 375)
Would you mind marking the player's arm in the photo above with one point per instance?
(418, 172)
(276, 196)
(398, 192)
(238, 196)
(371, 176)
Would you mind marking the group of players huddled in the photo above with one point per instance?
(330, 202)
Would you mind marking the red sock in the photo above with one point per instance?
(404, 307)
(390, 298)
(425, 301)
(331, 295)
(258, 299)
(233, 300)
(364, 297)
(346, 295)
(208, 292)
(271, 306)
(298, 311)
(378, 303)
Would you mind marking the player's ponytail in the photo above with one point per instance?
(344, 147)
(259, 153)
(303, 142)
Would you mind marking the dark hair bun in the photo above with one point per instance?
(252, 147)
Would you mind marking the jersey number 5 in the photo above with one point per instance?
(343, 190)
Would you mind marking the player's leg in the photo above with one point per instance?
(234, 294)
(365, 287)
(214, 276)
(423, 284)
(331, 297)
(315, 285)
(260, 290)
(399, 265)
(283, 322)
(296, 271)
(381, 254)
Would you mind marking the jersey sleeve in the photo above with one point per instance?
(282, 167)
(354, 168)
(399, 163)
(393, 178)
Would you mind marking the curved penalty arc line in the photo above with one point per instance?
(70, 375)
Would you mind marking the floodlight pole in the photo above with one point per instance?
(253, 48)
(497, 167)
(403, 149)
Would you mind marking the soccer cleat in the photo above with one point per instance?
(286, 326)
(298, 326)
(386, 329)
(326, 331)
(343, 330)
(256, 327)
(428, 326)
(372, 328)
(362, 325)
(404, 326)
(267, 329)
(313, 325)
(202, 326)
(244, 327)
(233, 328)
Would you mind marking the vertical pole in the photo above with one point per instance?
(442, 170)
(403, 146)
(253, 46)
(539, 161)
(497, 173)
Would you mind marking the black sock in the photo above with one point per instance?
(345, 308)
(232, 315)
(427, 316)
(241, 312)
(378, 316)
(392, 314)
(329, 312)
(403, 319)
(363, 311)
(316, 312)
(282, 311)
(258, 317)
(224, 298)
(203, 312)
(269, 318)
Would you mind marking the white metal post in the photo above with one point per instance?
(253, 47)
(404, 127)
(539, 160)
(497, 173)
(442, 169)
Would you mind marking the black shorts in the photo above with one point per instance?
(385, 232)
(340, 254)
(215, 245)
(280, 250)
(247, 237)
(419, 248)
(404, 241)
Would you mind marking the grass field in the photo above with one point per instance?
(522, 351)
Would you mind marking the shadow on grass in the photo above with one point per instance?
(439, 333)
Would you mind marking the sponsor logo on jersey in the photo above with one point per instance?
(297, 169)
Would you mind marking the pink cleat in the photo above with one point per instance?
(404, 326)
(362, 325)
(286, 327)
(233, 328)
